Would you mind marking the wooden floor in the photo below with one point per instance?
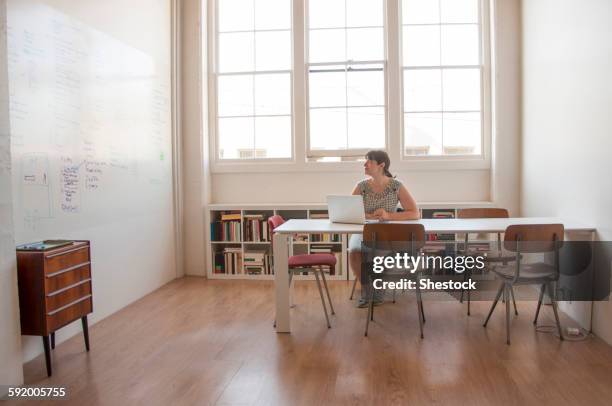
(211, 342)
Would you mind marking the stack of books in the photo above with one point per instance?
(227, 229)
(326, 249)
(256, 228)
(254, 262)
(233, 260)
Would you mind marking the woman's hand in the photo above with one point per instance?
(381, 214)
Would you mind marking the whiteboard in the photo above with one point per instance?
(91, 145)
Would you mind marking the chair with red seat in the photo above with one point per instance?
(308, 263)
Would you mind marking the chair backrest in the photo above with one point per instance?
(395, 232)
(275, 221)
(534, 237)
(482, 213)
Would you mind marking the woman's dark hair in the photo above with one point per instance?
(381, 157)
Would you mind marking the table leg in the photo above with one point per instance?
(281, 282)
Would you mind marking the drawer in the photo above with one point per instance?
(67, 278)
(68, 313)
(64, 261)
(67, 295)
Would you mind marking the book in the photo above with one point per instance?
(44, 245)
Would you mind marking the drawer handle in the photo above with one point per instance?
(51, 275)
(66, 252)
(56, 292)
(68, 305)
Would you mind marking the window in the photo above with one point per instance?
(442, 77)
(332, 79)
(346, 78)
(253, 67)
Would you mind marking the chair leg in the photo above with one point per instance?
(316, 273)
(554, 306)
(420, 308)
(542, 288)
(353, 289)
(507, 297)
(499, 292)
(469, 299)
(370, 311)
(331, 306)
(513, 300)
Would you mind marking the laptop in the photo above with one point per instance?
(346, 209)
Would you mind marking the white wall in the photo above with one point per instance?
(567, 120)
(11, 371)
(195, 179)
(132, 242)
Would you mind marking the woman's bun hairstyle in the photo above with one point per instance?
(381, 157)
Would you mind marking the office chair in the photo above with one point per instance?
(481, 213)
(532, 238)
(390, 237)
(306, 263)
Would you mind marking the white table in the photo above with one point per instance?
(284, 232)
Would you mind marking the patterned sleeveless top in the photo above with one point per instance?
(387, 199)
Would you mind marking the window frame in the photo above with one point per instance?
(213, 65)
(353, 152)
(485, 51)
(394, 106)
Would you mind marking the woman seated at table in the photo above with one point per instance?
(381, 192)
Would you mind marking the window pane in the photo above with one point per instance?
(271, 14)
(459, 11)
(366, 127)
(230, 20)
(461, 89)
(462, 133)
(420, 12)
(421, 46)
(327, 46)
(273, 50)
(327, 88)
(236, 53)
(364, 13)
(235, 137)
(273, 137)
(326, 13)
(423, 133)
(422, 90)
(272, 94)
(365, 44)
(460, 45)
(328, 128)
(235, 95)
(365, 88)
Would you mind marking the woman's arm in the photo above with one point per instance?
(357, 191)
(411, 211)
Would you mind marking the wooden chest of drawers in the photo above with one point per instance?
(54, 290)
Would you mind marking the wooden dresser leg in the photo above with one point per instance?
(47, 354)
(53, 340)
(85, 332)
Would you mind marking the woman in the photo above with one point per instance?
(381, 192)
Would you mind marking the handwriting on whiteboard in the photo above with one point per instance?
(70, 186)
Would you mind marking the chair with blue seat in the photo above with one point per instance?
(306, 263)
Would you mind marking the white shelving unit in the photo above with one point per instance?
(287, 211)
(296, 210)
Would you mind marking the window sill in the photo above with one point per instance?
(433, 164)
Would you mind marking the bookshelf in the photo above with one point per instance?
(239, 245)
(238, 236)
